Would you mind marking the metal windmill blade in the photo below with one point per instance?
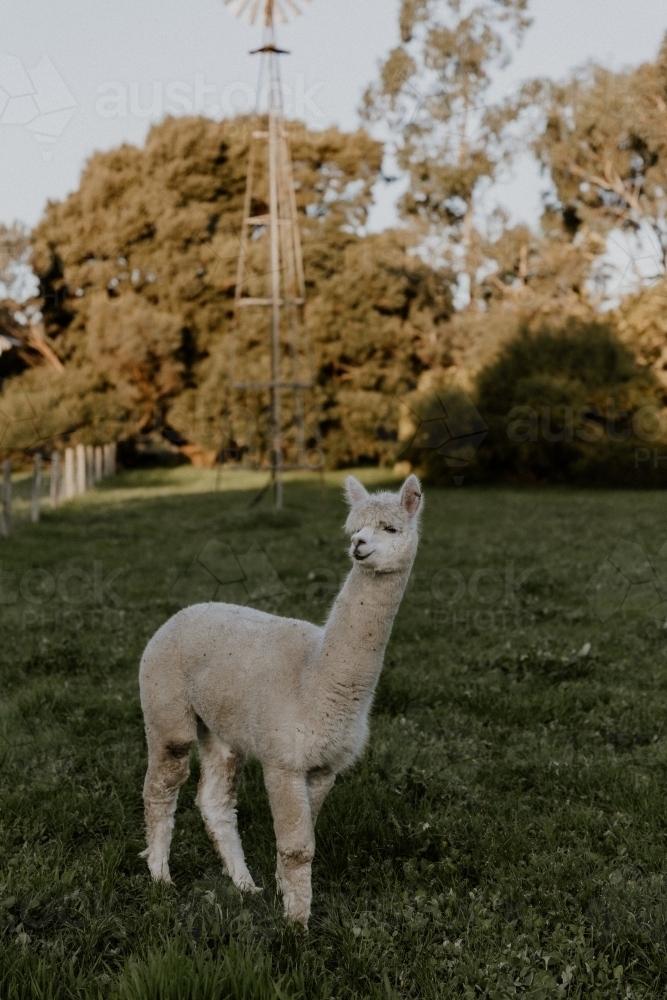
(266, 11)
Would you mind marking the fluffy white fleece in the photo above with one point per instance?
(293, 695)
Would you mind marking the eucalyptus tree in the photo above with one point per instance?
(432, 97)
(603, 141)
(14, 251)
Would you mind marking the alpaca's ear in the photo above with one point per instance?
(354, 491)
(411, 495)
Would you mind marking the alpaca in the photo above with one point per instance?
(290, 694)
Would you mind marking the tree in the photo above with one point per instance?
(642, 325)
(14, 251)
(138, 269)
(604, 142)
(381, 318)
(568, 404)
(432, 95)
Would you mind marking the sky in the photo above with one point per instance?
(78, 76)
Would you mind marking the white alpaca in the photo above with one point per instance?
(291, 694)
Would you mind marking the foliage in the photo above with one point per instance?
(540, 276)
(567, 405)
(537, 281)
(14, 251)
(503, 835)
(138, 266)
(432, 95)
(138, 269)
(381, 320)
(599, 137)
(642, 325)
(604, 144)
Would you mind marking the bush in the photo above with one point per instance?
(571, 406)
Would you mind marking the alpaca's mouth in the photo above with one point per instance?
(361, 558)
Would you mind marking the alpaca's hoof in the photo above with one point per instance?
(159, 873)
(298, 919)
(247, 885)
(296, 912)
(162, 876)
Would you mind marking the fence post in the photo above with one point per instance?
(110, 459)
(55, 479)
(70, 479)
(6, 498)
(80, 469)
(36, 488)
(99, 467)
(90, 466)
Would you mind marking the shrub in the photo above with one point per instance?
(571, 405)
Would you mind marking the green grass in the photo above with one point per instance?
(504, 833)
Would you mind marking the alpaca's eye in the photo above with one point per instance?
(390, 529)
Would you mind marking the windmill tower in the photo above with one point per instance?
(270, 277)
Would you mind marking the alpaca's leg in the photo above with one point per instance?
(220, 773)
(167, 770)
(292, 821)
(320, 784)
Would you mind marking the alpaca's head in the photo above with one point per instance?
(384, 527)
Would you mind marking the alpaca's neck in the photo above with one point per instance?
(357, 632)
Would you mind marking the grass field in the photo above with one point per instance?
(504, 833)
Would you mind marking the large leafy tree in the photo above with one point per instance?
(432, 96)
(138, 270)
(604, 144)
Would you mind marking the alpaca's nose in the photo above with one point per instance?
(358, 540)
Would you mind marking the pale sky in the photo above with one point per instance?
(60, 63)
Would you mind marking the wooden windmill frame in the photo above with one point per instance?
(291, 367)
